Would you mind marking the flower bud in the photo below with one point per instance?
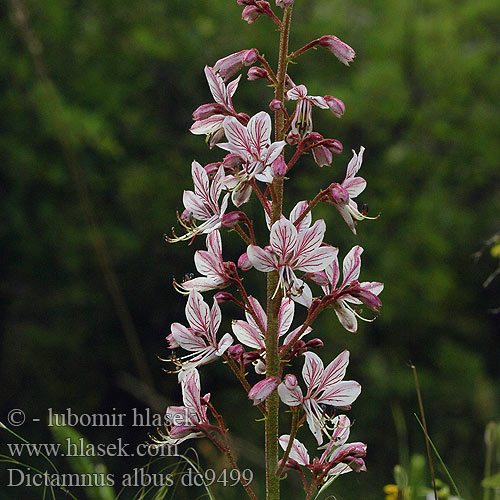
(315, 344)
(231, 64)
(231, 160)
(221, 297)
(290, 381)
(337, 107)
(292, 138)
(235, 351)
(284, 3)
(276, 105)
(278, 167)
(208, 110)
(261, 390)
(299, 348)
(251, 356)
(231, 219)
(212, 168)
(333, 145)
(255, 73)
(322, 156)
(368, 298)
(251, 13)
(244, 262)
(343, 52)
(338, 194)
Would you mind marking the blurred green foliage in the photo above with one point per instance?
(422, 97)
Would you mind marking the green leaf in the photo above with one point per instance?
(72, 440)
(491, 481)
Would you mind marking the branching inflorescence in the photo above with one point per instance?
(302, 270)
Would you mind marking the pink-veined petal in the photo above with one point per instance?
(224, 343)
(285, 316)
(202, 284)
(344, 212)
(237, 136)
(283, 237)
(195, 206)
(185, 338)
(316, 260)
(259, 131)
(206, 263)
(261, 259)
(355, 163)
(297, 211)
(259, 312)
(216, 85)
(231, 89)
(298, 92)
(261, 390)
(248, 335)
(216, 187)
(274, 151)
(208, 125)
(200, 181)
(341, 429)
(351, 266)
(305, 298)
(215, 319)
(372, 286)
(292, 334)
(341, 394)
(318, 101)
(290, 396)
(335, 371)
(309, 239)
(198, 313)
(312, 371)
(298, 451)
(346, 317)
(313, 415)
(214, 246)
(354, 186)
(242, 195)
(190, 384)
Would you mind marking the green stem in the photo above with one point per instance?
(274, 299)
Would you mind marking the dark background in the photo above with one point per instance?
(95, 151)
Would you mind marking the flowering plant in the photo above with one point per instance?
(300, 267)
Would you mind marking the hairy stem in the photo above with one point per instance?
(274, 299)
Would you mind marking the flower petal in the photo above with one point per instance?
(198, 313)
(285, 315)
(355, 163)
(316, 260)
(283, 237)
(259, 312)
(261, 259)
(298, 452)
(259, 132)
(297, 211)
(346, 317)
(290, 396)
(186, 338)
(351, 266)
(216, 85)
(341, 394)
(335, 371)
(248, 335)
(194, 205)
(312, 371)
